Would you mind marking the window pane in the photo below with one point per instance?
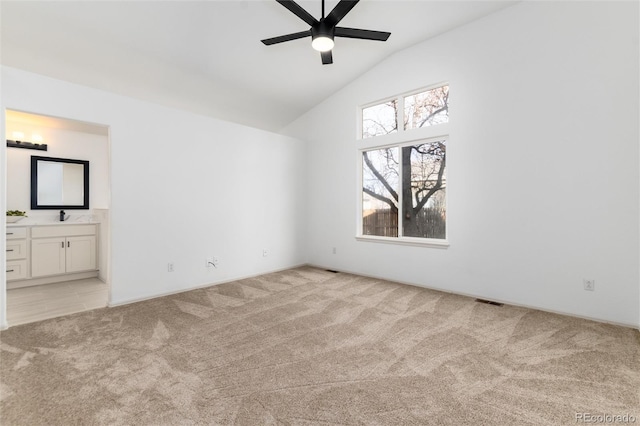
(380, 192)
(424, 210)
(427, 108)
(380, 119)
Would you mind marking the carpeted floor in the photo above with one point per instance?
(307, 346)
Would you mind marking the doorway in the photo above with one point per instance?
(56, 267)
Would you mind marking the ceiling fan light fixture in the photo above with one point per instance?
(322, 43)
(323, 30)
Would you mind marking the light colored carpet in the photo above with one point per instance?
(307, 346)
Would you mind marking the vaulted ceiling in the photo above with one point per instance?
(206, 56)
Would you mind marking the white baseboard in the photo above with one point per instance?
(169, 293)
(50, 280)
(479, 296)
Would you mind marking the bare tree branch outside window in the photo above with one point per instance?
(427, 108)
(380, 119)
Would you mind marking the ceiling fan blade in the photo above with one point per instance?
(327, 57)
(362, 34)
(340, 11)
(287, 37)
(298, 11)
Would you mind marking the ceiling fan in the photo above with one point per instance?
(323, 31)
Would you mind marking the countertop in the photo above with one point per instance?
(45, 221)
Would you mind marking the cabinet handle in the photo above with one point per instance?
(62, 244)
(68, 244)
(10, 270)
(9, 249)
(9, 233)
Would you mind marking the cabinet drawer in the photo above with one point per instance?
(16, 269)
(62, 231)
(13, 233)
(16, 249)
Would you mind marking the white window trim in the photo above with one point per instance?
(399, 139)
(406, 241)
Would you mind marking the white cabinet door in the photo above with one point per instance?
(81, 253)
(47, 256)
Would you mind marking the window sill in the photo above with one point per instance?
(405, 241)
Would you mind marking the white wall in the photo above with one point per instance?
(61, 143)
(543, 169)
(3, 224)
(183, 187)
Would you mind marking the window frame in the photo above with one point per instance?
(400, 113)
(401, 138)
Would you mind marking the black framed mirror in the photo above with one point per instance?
(59, 183)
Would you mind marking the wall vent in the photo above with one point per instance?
(489, 302)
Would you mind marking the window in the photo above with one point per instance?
(380, 119)
(404, 184)
(404, 191)
(426, 108)
(380, 198)
(421, 109)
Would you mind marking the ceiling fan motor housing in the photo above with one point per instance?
(321, 29)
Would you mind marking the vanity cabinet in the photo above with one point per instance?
(62, 250)
(43, 254)
(16, 252)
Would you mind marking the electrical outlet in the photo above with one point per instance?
(589, 285)
(264, 253)
(170, 267)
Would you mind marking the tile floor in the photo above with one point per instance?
(30, 304)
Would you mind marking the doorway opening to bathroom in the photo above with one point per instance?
(58, 254)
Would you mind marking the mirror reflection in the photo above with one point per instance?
(58, 183)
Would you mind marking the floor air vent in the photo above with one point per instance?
(489, 302)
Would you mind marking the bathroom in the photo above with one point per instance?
(56, 267)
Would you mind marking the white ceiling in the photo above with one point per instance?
(206, 56)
